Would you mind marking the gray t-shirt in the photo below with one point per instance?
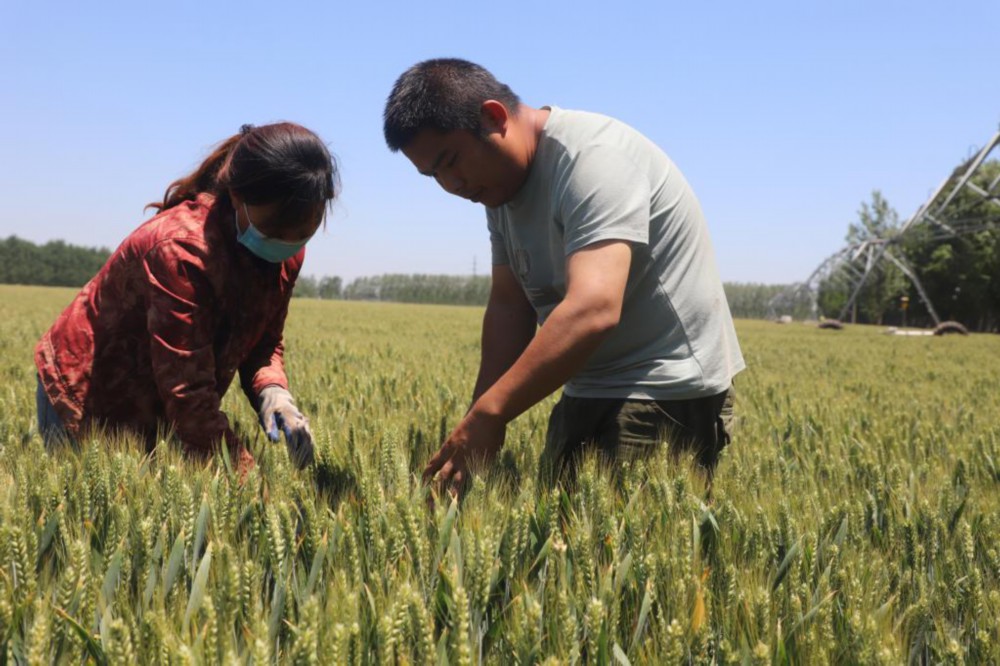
(594, 178)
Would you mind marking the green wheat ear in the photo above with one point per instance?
(853, 519)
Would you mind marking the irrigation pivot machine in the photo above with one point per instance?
(944, 215)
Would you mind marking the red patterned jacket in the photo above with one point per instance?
(157, 336)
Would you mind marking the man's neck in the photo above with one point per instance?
(531, 123)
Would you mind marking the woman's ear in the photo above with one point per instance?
(240, 207)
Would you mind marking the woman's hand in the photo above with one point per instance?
(278, 411)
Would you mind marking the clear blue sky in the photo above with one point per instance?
(784, 117)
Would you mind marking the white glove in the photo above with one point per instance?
(278, 411)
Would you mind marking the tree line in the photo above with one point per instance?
(746, 300)
(55, 264)
(59, 264)
(960, 274)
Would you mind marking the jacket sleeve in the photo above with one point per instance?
(180, 322)
(265, 365)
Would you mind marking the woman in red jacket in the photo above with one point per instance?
(192, 296)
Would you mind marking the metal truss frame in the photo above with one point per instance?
(844, 264)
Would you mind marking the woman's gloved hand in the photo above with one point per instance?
(278, 411)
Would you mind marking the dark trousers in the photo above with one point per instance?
(630, 429)
(50, 426)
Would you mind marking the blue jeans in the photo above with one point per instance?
(50, 426)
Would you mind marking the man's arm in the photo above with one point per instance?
(595, 289)
(508, 326)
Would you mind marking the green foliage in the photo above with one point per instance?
(306, 286)
(853, 519)
(59, 264)
(746, 300)
(885, 284)
(327, 287)
(54, 264)
(751, 300)
(441, 289)
(961, 274)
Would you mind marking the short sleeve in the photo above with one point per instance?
(604, 196)
(498, 246)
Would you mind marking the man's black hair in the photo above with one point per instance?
(443, 94)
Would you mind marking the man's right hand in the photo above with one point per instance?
(475, 441)
(243, 462)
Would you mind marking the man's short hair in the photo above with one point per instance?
(442, 94)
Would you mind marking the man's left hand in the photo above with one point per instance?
(476, 440)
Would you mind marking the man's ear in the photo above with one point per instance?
(495, 117)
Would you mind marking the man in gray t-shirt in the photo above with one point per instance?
(604, 277)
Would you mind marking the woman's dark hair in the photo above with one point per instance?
(443, 94)
(281, 162)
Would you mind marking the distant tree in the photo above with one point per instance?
(746, 300)
(363, 289)
(54, 264)
(330, 287)
(419, 288)
(832, 295)
(961, 274)
(885, 283)
(751, 300)
(306, 287)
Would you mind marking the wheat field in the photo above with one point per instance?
(854, 519)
